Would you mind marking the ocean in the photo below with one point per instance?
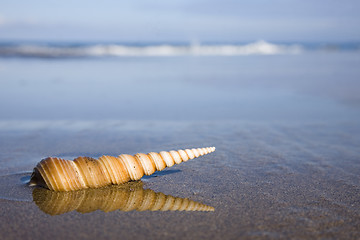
(256, 81)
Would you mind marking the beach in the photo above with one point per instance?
(285, 127)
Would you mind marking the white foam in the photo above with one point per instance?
(258, 48)
(104, 50)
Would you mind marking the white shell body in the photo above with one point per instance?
(85, 172)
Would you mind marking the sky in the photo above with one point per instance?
(180, 20)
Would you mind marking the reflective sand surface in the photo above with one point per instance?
(286, 131)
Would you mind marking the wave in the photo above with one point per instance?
(122, 50)
(89, 50)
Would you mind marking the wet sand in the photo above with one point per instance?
(273, 180)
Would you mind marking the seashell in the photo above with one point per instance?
(84, 172)
(126, 197)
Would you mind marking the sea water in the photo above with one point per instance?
(254, 81)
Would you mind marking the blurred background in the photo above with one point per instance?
(179, 60)
(274, 85)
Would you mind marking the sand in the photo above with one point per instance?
(285, 127)
(272, 180)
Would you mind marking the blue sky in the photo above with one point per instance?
(186, 20)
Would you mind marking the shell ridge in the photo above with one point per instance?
(105, 164)
(72, 182)
(69, 179)
(58, 184)
(78, 174)
(103, 176)
(183, 155)
(158, 161)
(105, 171)
(166, 156)
(142, 163)
(153, 161)
(176, 156)
(74, 178)
(81, 171)
(122, 171)
(146, 163)
(93, 177)
(190, 153)
(133, 167)
(127, 168)
(43, 174)
(117, 168)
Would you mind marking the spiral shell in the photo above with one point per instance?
(111, 198)
(84, 172)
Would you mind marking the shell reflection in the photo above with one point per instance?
(127, 197)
